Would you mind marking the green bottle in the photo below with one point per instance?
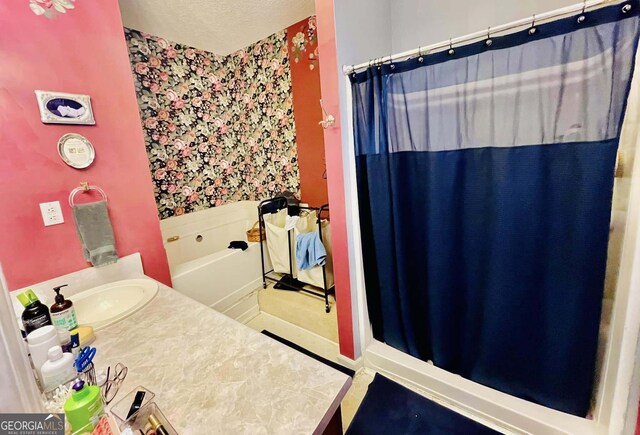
(84, 408)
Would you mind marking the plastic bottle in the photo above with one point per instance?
(58, 369)
(75, 343)
(84, 408)
(64, 337)
(63, 313)
(35, 314)
(39, 342)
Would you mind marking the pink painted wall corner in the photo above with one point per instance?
(84, 52)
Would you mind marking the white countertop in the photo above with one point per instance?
(213, 375)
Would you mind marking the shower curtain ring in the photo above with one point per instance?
(451, 50)
(626, 8)
(391, 65)
(532, 30)
(488, 42)
(581, 18)
(420, 58)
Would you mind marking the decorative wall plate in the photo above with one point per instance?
(63, 108)
(76, 151)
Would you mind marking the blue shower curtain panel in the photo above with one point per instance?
(485, 182)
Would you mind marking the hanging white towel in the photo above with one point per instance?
(291, 222)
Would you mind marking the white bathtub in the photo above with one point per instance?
(204, 269)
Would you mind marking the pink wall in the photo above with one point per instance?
(83, 52)
(335, 177)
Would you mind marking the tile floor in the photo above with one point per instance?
(302, 309)
(314, 330)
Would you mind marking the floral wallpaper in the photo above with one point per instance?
(304, 44)
(218, 129)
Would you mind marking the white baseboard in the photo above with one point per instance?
(248, 315)
(311, 341)
(354, 365)
(490, 407)
(243, 310)
(232, 299)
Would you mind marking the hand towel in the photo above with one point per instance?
(310, 251)
(95, 232)
(291, 222)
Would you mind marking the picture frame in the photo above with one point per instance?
(64, 108)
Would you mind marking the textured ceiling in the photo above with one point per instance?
(217, 26)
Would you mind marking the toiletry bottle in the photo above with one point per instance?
(86, 335)
(64, 337)
(157, 426)
(84, 408)
(62, 312)
(75, 343)
(35, 314)
(58, 369)
(39, 342)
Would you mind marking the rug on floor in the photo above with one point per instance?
(336, 366)
(390, 408)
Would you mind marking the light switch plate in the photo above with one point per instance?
(51, 213)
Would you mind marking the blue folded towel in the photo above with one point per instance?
(310, 251)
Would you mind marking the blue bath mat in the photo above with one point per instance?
(390, 408)
(336, 366)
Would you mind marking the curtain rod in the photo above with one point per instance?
(529, 21)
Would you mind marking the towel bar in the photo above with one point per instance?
(85, 187)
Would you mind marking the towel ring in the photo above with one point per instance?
(85, 187)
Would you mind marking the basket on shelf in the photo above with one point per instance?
(254, 234)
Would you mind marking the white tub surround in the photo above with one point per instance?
(211, 374)
(203, 268)
(217, 225)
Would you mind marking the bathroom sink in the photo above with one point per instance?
(107, 304)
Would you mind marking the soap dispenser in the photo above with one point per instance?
(63, 313)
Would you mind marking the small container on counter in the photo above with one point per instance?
(63, 314)
(84, 409)
(39, 342)
(75, 343)
(157, 426)
(64, 337)
(35, 314)
(58, 369)
(148, 418)
(86, 336)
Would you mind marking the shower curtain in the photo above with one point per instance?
(485, 181)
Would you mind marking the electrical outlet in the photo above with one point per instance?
(51, 213)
